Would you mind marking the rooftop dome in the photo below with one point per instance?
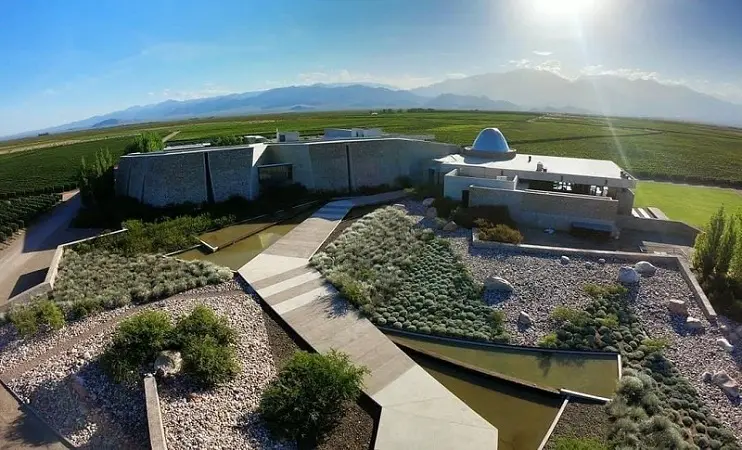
(490, 140)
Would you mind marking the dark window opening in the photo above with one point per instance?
(277, 174)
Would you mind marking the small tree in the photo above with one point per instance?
(727, 246)
(145, 143)
(96, 180)
(306, 400)
(707, 244)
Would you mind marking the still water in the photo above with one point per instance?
(591, 374)
(522, 416)
(238, 254)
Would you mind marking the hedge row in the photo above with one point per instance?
(19, 212)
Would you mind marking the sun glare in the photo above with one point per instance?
(561, 9)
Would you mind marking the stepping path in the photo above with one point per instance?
(417, 412)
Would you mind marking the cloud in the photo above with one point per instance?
(542, 53)
(455, 75)
(207, 90)
(631, 74)
(405, 81)
(551, 65)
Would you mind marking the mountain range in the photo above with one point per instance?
(519, 90)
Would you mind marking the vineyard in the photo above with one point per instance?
(19, 212)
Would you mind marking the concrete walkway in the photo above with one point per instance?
(24, 262)
(417, 411)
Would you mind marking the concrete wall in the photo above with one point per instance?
(454, 183)
(231, 172)
(547, 209)
(625, 199)
(668, 227)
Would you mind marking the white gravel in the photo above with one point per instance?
(543, 283)
(107, 415)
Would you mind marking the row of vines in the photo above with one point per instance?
(19, 212)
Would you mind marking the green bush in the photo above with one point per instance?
(200, 324)
(83, 308)
(655, 345)
(498, 233)
(597, 291)
(136, 342)
(145, 143)
(565, 443)
(209, 361)
(306, 400)
(39, 316)
(576, 317)
(498, 318)
(549, 341)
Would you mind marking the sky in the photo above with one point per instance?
(69, 60)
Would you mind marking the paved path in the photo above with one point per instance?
(24, 262)
(417, 411)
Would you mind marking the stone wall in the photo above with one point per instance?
(231, 172)
(329, 166)
(547, 209)
(454, 183)
(172, 178)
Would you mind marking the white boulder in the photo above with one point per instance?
(431, 213)
(524, 319)
(627, 275)
(645, 268)
(678, 307)
(692, 323)
(727, 384)
(399, 206)
(601, 261)
(564, 260)
(498, 284)
(723, 343)
(168, 363)
(450, 226)
(428, 201)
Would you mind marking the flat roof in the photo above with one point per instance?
(599, 168)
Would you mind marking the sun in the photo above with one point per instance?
(561, 9)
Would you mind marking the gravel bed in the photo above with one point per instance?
(542, 283)
(73, 394)
(15, 351)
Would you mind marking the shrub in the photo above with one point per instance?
(305, 401)
(498, 318)
(209, 361)
(575, 316)
(565, 443)
(200, 324)
(597, 291)
(707, 246)
(41, 315)
(137, 341)
(549, 341)
(498, 233)
(465, 217)
(145, 143)
(83, 308)
(655, 345)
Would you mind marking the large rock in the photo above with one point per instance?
(431, 213)
(678, 307)
(728, 384)
(723, 343)
(627, 275)
(428, 201)
(168, 363)
(525, 319)
(498, 284)
(450, 226)
(645, 268)
(564, 260)
(601, 261)
(692, 323)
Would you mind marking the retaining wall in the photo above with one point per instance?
(662, 226)
(231, 172)
(671, 260)
(547, 209)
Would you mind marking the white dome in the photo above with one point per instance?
(490, 140)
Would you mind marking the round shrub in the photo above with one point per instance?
(136, 341)
(83, 308)
(201, 323)
(305, 401)
(701, 428)
(631, 388)
(687, 421)
(39, 316)
(701, 440)
(210, 362)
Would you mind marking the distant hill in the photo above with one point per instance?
(106, 123)
(519, 90)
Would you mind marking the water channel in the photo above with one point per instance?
(593, 373)
(263, 232)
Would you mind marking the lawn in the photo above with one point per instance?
(691, 204)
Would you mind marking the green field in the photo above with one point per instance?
(646, 148)
(691, 204)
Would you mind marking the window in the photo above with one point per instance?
(275, 174)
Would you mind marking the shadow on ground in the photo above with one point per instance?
(28, 280)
